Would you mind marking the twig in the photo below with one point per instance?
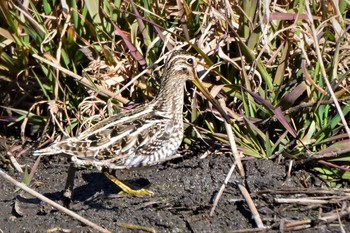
(335, 216)
(254, 211)
(323, 70)
(217, 198)
(136, 227)
(231, 139)
(14, 162)
(301, 201)
(303, 105)
(307, 223)
(237, 162)
(313, 191)
(254, 230)
(341, 168)
(52, 203)
(331, 154)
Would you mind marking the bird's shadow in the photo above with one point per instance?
(97, 187)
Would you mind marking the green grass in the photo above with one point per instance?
(279, 76)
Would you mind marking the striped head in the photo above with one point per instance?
(180, 65)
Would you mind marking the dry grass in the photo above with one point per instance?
(282, 71)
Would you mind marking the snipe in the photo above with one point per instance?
(144, 136)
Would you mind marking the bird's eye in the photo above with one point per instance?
(190, 61)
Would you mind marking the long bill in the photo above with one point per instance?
(207, 94)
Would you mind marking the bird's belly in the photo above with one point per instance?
(162, 154)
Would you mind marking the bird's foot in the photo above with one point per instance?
(127, 189)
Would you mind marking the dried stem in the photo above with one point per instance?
(52, 203)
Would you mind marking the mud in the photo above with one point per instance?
(184, 190)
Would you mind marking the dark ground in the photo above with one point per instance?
(184, 192)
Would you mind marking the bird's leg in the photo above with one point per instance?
(127, 189)
(68, 190)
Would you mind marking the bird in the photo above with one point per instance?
(147, 135)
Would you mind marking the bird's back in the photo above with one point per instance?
(135, 138)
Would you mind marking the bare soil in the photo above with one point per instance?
(184, 190)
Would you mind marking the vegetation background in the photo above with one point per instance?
(281, 70)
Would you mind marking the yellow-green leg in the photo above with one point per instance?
(127, 189)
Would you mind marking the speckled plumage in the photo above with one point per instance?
(144, 136)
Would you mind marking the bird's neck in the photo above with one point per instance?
(170, 99)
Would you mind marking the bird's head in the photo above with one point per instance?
(181, 65)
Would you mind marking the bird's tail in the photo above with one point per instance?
(50, 150)
(71, 147)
